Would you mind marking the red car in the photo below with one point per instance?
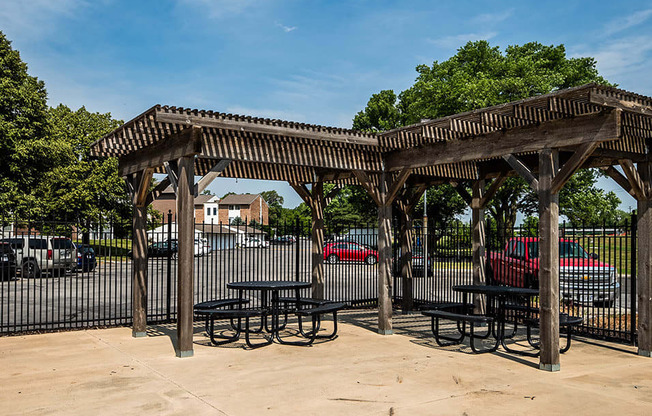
(347, 251)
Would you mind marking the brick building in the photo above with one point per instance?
(167, 201)
(210, 208)
(246, 206)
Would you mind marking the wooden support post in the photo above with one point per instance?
(644, 276)
(384, 258)
(317, 210)
(407, 295)
(478, 242)
(139, 265)
(548, 262)
(186, 227)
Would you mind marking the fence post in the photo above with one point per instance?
(169, 270)
(297, 251)
(632, 277)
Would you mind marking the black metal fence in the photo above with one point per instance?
(55, 287)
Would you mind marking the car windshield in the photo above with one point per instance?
(567, 250)
(61, 244)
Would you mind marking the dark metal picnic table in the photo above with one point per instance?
(501, 294)
(273, 308)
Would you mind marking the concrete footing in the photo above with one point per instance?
(549, 367)
(138, 334)
(185, 354)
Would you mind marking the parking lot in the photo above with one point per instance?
(103, 297)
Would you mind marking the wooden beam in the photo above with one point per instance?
(186, 259)
(523, 171)
(407, 291)
(608, 101)
(599, 127)
(478, 243)
(172, 170)
(139, 267)
(416, 196)
(140, 197)
(185, 143)
(158, 190)
(129, 183)
(384, 259)
(619, 178)
(644, 272)
(368, 185)
(302, 133)
(463, 193)
(493, 188)
(397, 185)
(572, 165)
(317, 246)
(633, 178)
(303, 192)
(211, 175)
(548, 264)
(333, 192)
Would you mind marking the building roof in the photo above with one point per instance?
(240, 199)
(226, 229)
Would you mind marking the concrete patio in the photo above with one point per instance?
(109, 372)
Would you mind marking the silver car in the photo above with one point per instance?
(37, 254)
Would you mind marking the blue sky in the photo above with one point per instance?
(309, 61)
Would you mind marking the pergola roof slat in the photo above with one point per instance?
(275, 149)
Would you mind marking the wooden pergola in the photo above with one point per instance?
(544, 139)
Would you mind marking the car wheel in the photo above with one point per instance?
(31, 270)
(371, 260)
(332, 259)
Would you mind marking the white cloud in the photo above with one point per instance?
(286, 29)
(622, 56)
(217, 9)
(35, 18)
(456, 41)
(623, 23)
(496, 17)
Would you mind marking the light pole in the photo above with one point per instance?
(425, 231)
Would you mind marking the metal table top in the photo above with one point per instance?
(268, 285)
(496, 290)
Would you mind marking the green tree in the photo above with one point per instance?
(80, 186)
(380, 114)
(477, 76)
(24, 149)
(275, 202)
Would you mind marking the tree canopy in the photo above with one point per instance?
(24, 147)
(480, 75)
(45, 164)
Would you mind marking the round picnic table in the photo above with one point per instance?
(274, 286)
(501, 294)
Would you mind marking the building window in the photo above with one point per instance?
(208, 211)
(214, 210)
